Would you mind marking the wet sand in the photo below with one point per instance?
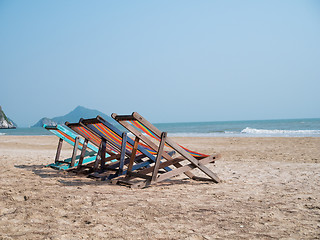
(270, 190)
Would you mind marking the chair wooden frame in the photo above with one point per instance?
(151, 175)
(119, 153)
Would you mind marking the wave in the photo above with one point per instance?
(2, 134)
(255, 131)
(251, 132)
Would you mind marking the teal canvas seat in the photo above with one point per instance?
(67, 135)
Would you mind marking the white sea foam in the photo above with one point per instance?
(252, 132)
(279, 132)
(2, 134)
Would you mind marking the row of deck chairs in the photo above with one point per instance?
(141, 157)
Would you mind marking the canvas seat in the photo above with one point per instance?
(66, 135)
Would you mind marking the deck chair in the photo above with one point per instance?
(184, 161)
(117, 144)
(76, 141)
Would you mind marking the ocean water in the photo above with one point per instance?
(259, 128)
(25, 131)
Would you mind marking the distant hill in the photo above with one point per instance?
(74, 116)
(46, 121)
(5, 122)
(80, 112)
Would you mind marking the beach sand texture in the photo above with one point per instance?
(270, 190)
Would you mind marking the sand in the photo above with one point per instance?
(270, 190)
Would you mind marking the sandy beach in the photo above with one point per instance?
(270, 189)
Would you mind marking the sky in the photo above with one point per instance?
(171, 61)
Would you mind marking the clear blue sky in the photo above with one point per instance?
(171, 61)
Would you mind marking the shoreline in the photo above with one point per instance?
(270, 189)
(193, 135)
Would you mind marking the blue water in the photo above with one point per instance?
(260, 128)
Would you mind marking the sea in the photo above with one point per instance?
(252, 128)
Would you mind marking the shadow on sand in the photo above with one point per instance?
(81, 178)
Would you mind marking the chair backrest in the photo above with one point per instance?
(106, 131)
(113, 135)
(68, 136)
(92, 137)
(139, 126)
(96, 129)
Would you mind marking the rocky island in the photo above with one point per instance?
(73, 116)
(5, 122)
(46, 121)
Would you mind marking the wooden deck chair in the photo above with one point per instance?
(184, 161)
(76, 141)
(117, 144)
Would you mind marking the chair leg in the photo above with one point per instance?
(83, 151)
(123, 152)
(133, 154)
(98, 159)
(58, 150)
(103, 155)
(158, 158)
(191, 166)
(74, 152)
(193, 160)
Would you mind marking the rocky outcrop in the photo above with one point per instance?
(46, 121)
(5, 122)
(74, 116)
(81, 112)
